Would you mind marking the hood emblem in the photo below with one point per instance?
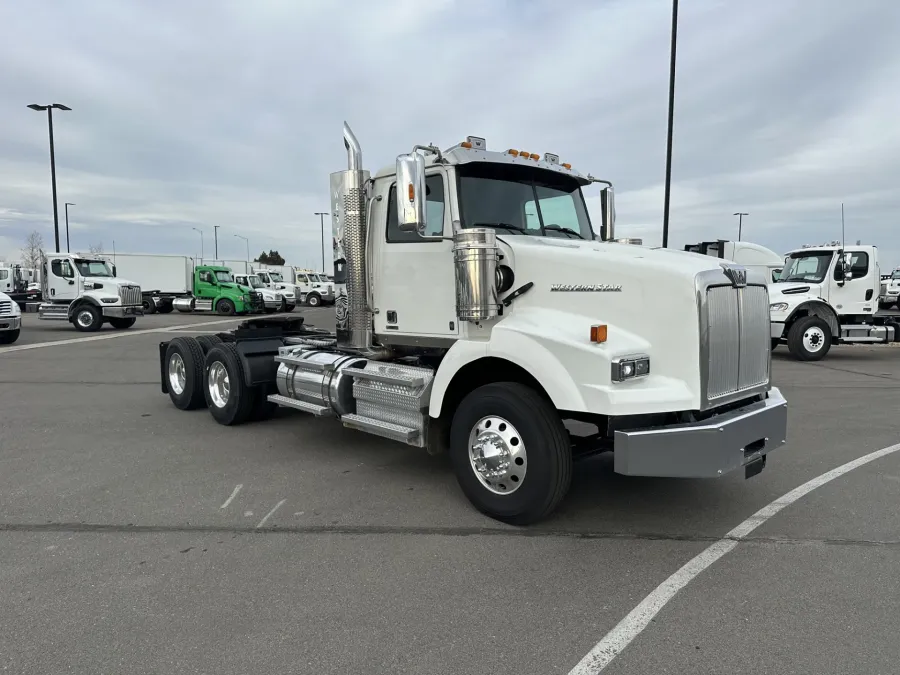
(581, 288)
(736, 274)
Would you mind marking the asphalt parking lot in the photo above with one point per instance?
(136, 538)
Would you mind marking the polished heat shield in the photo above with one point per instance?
(353, 318)
(475, 256)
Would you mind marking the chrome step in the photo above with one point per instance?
(304, 364)
(284, 401)
(375, 427)
(411, 381)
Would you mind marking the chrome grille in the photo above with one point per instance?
(5, 307)
(130, 295)
(739, 340)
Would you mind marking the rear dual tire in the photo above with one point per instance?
(229, 399)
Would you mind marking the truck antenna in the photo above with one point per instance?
(843, 237)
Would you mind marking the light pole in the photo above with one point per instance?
(665, 236)
(322, 215)
(197, 229)
(68, 204)
(49, 109)
(216, 237)
(740, 222)
(247, 242)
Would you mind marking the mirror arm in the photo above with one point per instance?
(433, 149)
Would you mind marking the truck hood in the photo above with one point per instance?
(786, 291)
(110, 281)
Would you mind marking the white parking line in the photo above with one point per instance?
(113, 336)
(234, 493)
(637, 620)
(270, 513)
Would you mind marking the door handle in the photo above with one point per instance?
(71, 283)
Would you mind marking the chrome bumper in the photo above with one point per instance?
(122, 312)
(706, 449)
(10, 322)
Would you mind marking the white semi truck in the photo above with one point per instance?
(10, 320)
(829, 295)
(476, 313)
(748, 254)
(315, 288)
(274, 301)
(273, 280)
(85, 291)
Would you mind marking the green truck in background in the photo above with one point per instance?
(214, 290)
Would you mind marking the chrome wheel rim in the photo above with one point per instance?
(177, 377)
(219, 384)
(497, 455)
(85, 318)
(813, 339)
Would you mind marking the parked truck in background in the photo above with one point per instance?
(18, 282)
(829, 295)
(453, 332)
(84, 290)
(273, 301)
(10, 319)
(214, 290)
(272, 279)
(751, 256)
(890, 290)
(315, 288)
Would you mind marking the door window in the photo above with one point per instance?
(62, 268)
(434, 212)
(4, 274)
(859, 266)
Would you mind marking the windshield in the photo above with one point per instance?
(224, 277)
(253, 281)
(521, 200)
(92, 268)
(275, 276)
(896, 274)
(810, 267)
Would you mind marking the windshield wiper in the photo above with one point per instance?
(505, 226)
(564, 230)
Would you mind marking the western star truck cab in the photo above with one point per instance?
(216, 291)
(10, 320)
(84, 290)
(476, 314)
(272, 300)
(274, 281)
(828, 295)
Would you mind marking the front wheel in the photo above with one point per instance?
(122, 323)
(809, 339)
(225, 307)
(313, 300)
(510, 453)
(7, 337)
(87, 319)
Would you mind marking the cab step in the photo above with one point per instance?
(395, 432)
(312, 408)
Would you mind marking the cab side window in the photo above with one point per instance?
(206, 276)
(4, 274)
(434, 212)
(859, 266)
(62, 268)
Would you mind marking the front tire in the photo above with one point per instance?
(7, 337)
(122, 323)
(313, 300)
(87, 319)
(184, 373)
(510, 453)
(148, 306)
(229, 399)
(225, 307)
(809, 339)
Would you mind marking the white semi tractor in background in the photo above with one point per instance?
(84, 290)
(454, 332)
(10, 320)
(748, 254)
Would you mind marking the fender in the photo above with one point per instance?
(83, 300)
(818, 308)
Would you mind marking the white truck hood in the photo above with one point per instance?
(789, 291)
(110, 281)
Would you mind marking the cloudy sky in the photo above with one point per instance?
(196, 113)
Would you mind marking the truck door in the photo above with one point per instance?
(6, 280)
(205, 285)
(858, 295)
(62, 281)
(415, 286)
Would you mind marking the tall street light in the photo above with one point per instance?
(665, 236)
(49, 109)
(216, 236)
(322, 215)
(247, 242)
(197, 229)
(740, 222)
(68, 204)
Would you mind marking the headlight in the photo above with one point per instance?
(240, 298)
(629, 367)
(109, 301)
(778, 307)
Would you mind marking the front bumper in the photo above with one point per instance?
(10, 322)
(707, 449)
(122, 312)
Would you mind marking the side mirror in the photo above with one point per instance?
(846, 265)
(411, 193)
(114, 270)
(608, 207)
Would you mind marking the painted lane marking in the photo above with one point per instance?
(234, 493)
(112, 336)
(638, 619)
(270, 513)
